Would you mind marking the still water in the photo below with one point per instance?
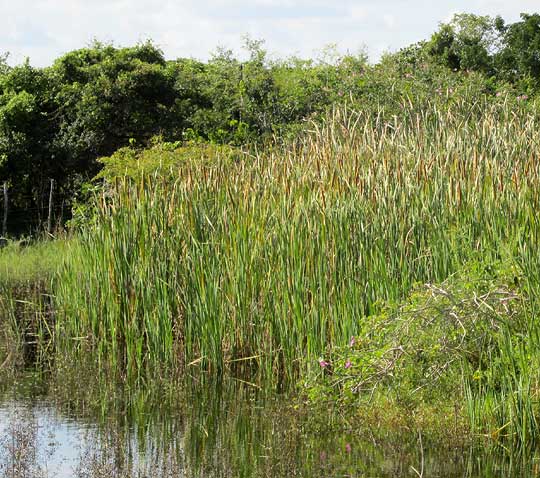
(81, 425)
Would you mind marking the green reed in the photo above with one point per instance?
(263, 261)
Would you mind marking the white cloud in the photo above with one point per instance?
(358, 12)
(44, 29)
(389, 21)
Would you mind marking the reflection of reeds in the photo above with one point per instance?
(201, 427)
(26, 308)
(26, 319)
(19, 448)
(225, 434)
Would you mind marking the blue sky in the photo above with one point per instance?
(44, 29)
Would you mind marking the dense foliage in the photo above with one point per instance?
(55, 122)
(268, 263)
(371, 229)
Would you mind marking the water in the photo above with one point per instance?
(79, 424)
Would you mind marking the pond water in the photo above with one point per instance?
(86, 426)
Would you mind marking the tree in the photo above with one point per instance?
(4, 67)
(27, 128)
(520, 57)
(468, 42)
(109, 97)
(56, 122)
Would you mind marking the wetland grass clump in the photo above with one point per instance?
(27, 270)
(265, 261)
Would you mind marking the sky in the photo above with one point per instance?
(42, 30)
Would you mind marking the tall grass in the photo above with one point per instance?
(272, 257)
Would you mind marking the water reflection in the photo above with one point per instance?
(81, 423)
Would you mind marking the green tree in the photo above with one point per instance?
(468, 42)
(110, 96)
(4, 67)
(520, 57)
(27, 127)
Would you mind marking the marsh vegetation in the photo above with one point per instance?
(364, 272)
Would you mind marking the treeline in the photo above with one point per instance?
(56, 122)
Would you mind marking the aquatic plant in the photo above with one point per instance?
(275, 256)
(261, 263)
